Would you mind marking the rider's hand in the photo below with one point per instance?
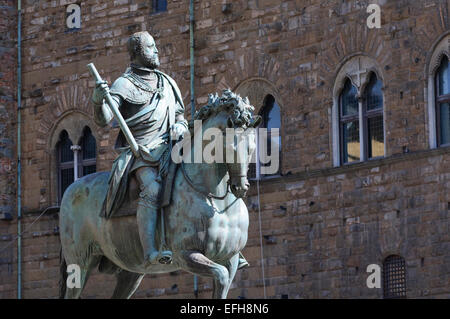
(101, 87)
(178, 130)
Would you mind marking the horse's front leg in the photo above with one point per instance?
(198, 264)
(232, 266)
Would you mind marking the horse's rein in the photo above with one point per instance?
(209, 195)
(189, 181)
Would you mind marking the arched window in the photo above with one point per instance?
(271, 142)
(159, 6)
(358, 112)
(394, 277)
(88, 155)
(75, 161)
(361, 122)
(65, 163)
(443, 103)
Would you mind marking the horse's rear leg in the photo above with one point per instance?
(199, 264)
(85, 271)
(127, 283)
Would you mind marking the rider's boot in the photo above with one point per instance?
(147, 219)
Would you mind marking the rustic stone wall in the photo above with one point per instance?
(321, 226)
(8, 87)
(8, 53)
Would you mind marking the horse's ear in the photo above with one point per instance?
(230, 123)
(256, 121)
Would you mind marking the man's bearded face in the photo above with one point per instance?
(148, 56)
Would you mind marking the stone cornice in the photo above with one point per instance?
(394, 159)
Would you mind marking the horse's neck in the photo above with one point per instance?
(212, 178)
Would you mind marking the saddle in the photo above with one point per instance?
(129, 206)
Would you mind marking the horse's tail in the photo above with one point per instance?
(62, 275)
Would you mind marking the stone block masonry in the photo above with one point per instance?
(8, 105)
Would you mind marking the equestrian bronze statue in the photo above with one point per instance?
(149, 214)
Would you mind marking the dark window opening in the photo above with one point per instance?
(87, 163)
(159, 6)
(65, 162)
(443, 103)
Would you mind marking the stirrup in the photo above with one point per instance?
(243, 263)
(165, 257)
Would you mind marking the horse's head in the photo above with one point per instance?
(233, 116)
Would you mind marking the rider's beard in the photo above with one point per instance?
(151, 62)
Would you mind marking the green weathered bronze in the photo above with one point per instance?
(199, 231)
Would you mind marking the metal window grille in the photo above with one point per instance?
(394, 277)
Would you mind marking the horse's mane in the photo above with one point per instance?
(240, 110)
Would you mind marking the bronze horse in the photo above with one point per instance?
(206, 224)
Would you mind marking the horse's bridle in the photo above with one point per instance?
(209, 195)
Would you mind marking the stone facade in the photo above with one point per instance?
(8, 89)
(322, 225)
(8, 57)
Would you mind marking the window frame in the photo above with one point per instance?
(357, 68)
(77, 152)
(362, 116)
(438, 100)
(344, 119)
(264, 124)
(369, 114)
